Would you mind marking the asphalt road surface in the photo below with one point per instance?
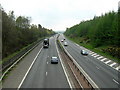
(43, 74)
(103, 75)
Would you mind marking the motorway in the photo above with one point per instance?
(36, 71)
(103, 75)
(43, 74)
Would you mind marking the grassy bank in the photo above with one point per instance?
(17, 52)
(96, 50)
(14, 54)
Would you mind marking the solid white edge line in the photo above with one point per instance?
(29, 69)
(15, 63)
(91, 53)
(77, 44)
(77, 78)
(84, 73)
(63, 67)
(97, 67)
(115, 81)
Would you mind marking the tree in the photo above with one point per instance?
(18, 33)
(98, 30)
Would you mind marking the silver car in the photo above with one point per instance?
(83, 52)
(54, 60)
(65, 44)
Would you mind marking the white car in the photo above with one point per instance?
(62, 40)
(65, 44)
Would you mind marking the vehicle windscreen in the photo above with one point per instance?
(45, 42)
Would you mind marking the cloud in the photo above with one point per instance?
(59, 14)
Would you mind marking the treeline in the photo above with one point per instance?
(18, 33)
(102, 30)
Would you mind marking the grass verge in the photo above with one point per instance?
(15, 53)
(96, 50)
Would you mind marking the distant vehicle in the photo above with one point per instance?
(46, 43)
(65, 44)
(54, 60)
(62, 40)
(83, 52)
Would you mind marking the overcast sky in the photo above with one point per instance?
(59, 14)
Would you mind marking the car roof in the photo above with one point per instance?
(54, 57)
(46, 39)
(84, 50)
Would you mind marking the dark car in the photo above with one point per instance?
(54, 60)
(46, 43)
(84, 52)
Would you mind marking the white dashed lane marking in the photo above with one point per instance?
(46, 73)
(112, 64)
(118, 68)
(97, 67)
(103, 59)
(96, 55)
(107, 61)
(93, 54)
(100, 57)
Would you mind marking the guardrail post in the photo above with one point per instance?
(80, 73)
(9, 62)
(84, 77)
(75, 67)
(88, 83)
(92, 88)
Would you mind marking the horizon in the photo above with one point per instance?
(59, 15)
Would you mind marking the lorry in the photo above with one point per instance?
(46, 43)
